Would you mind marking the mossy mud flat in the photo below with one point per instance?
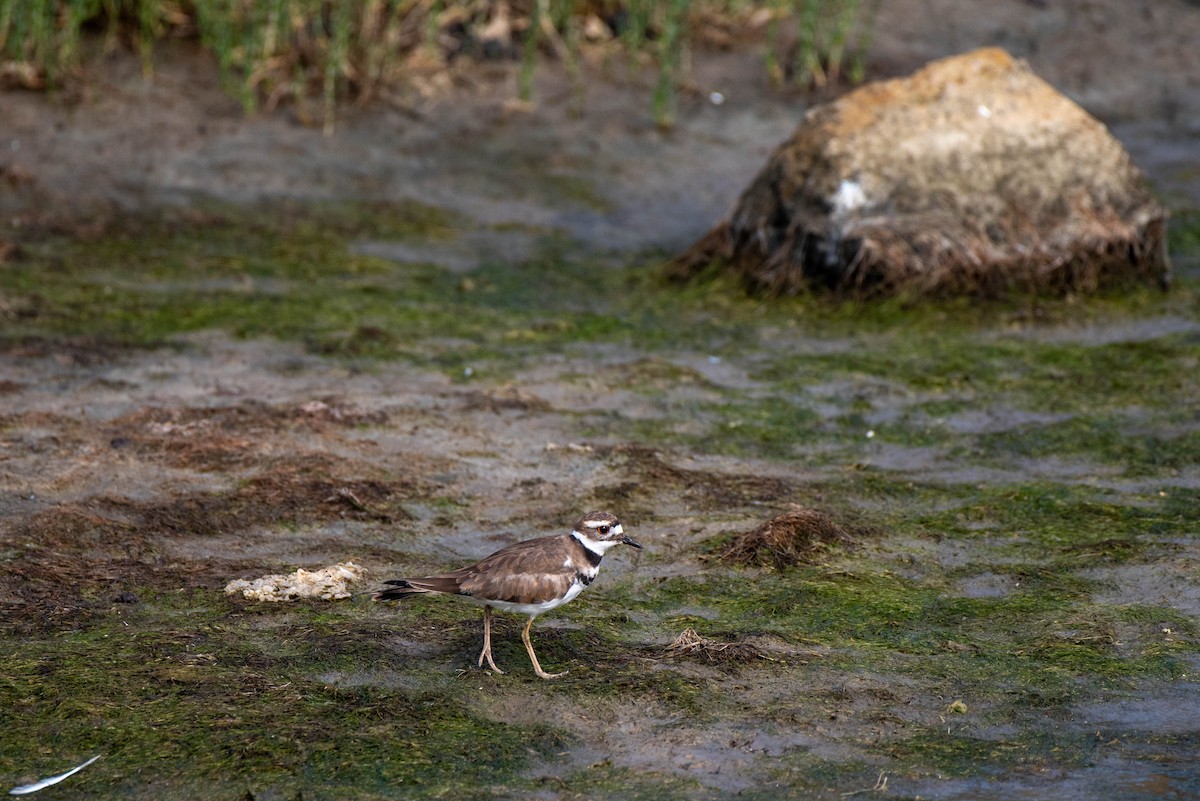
(1010, 605)
(264, 358)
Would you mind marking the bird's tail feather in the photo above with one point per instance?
(399, 589)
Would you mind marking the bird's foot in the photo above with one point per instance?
(491, 665)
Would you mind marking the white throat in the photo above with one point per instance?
(598, 547)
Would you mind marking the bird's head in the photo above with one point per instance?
(601, 530)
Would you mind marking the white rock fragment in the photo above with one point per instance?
(573, 447)
(850, 197)
(328, 584)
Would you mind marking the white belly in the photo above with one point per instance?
(530, 609)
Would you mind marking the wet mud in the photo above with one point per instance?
(995, 600)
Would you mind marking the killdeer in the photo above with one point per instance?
(529, 577)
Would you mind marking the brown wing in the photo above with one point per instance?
(529, 572)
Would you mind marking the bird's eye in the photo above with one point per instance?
(604, 529)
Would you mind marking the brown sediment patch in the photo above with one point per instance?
(23, 421)
(301, 490)
(651, 475)
(204, 439)
(505, 399)
(652, 372)
(253, 415)
(71, 560)
(795, 537)
(689, 644)
(227, 437)
(77, 351)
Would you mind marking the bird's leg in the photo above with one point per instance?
(486, 653)
(533, 657)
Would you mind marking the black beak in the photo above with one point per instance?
(631, 541)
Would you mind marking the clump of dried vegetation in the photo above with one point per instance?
(689, 644)
(316, 52)
(942, 255)
(794, 537)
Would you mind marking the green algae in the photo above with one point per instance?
(963, 755)
(189, 689)
(234, 698)
(294, 275)
(1132, 445)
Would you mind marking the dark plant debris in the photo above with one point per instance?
(795, 537)
(690, 644)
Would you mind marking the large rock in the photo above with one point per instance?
(971, 176)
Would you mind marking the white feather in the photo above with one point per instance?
(598, 547)
(42, 784)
